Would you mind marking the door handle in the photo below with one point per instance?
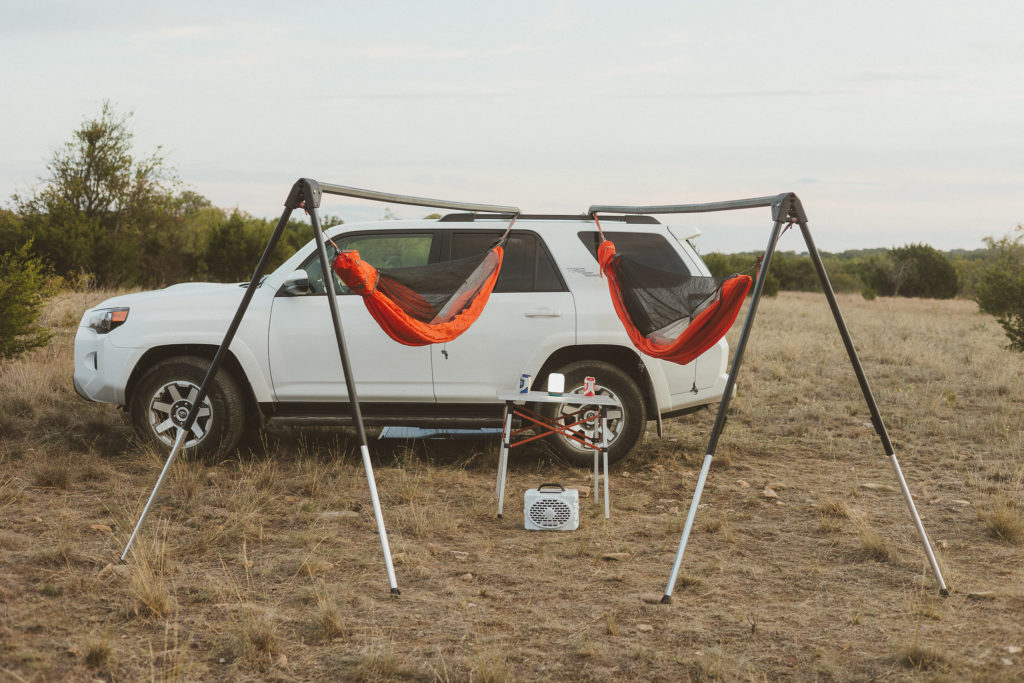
(543, 313)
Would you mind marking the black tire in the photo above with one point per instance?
(627, 428)
(161, 402)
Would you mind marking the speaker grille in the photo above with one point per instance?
(550, 513)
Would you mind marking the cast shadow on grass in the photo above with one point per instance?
(331, 444)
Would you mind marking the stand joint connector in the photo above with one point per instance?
(305, 194)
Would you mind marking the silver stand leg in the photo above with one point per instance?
(604, 455)
(596, 484)
(501, 450)
(379, 517)
(876, 417)
(300, 190)
(686, 528)
(503, 461)
(178, 441)
(353, 397)
(723, 407)
(943, 590)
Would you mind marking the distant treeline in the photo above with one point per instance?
(105, 218)
(109, 218)
(190, 240)
(914, 270)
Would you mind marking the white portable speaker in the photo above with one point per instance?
(551, 507)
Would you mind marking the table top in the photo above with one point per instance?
(545, 397)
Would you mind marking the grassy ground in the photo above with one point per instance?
(804, 562)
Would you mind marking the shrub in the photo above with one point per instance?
(724, 265)
(23, 286)
(923, 271)
(914, 270)
(999, 288)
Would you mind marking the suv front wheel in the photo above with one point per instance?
(164, 395)
(626, 426)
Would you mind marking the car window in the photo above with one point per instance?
(649, 248)
(380, 250)
(526, 267)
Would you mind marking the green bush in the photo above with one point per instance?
(23, 287)
(724, 265)
(999, 287)
(914, 270)
(926, 272)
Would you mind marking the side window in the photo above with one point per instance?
(649, 248)
(526, 267)
(381, 250)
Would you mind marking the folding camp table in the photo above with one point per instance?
(542, 426)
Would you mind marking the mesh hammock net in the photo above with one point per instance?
(429, 304)
(670, 315)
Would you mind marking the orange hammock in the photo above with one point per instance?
(429, 304)
(668, 315)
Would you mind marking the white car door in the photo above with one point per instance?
(529, 314)
(304, 362)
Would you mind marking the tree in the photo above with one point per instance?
(999, 288)
(23, 287)
(923, 271)
(12, 232)
(234, 248)
(914, 270)
(102, 210)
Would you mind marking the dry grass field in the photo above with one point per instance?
(804, 563)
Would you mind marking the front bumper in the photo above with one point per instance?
(102, 369)
(78, 389)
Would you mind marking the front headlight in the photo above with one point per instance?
(103, 320)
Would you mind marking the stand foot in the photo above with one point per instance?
(666, 599)
(395, 591)
(944, 592)
(499, 516)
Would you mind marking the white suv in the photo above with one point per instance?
(550, 312)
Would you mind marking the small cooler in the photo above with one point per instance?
(551, 507)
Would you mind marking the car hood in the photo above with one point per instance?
(204, 294)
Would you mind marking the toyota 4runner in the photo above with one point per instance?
(550, 312)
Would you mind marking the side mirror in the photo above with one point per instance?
(297, 284)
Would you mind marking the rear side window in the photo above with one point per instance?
(648, 248)
(526, 267)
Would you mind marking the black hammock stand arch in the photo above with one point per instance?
(787, 211)
(306, 194)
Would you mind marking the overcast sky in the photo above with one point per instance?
(895, 122)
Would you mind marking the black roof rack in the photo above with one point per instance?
(470, 217)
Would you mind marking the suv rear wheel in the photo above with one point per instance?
(626, 427)
(164, 395)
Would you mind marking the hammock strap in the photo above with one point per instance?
(603, 240)
(504, 237)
